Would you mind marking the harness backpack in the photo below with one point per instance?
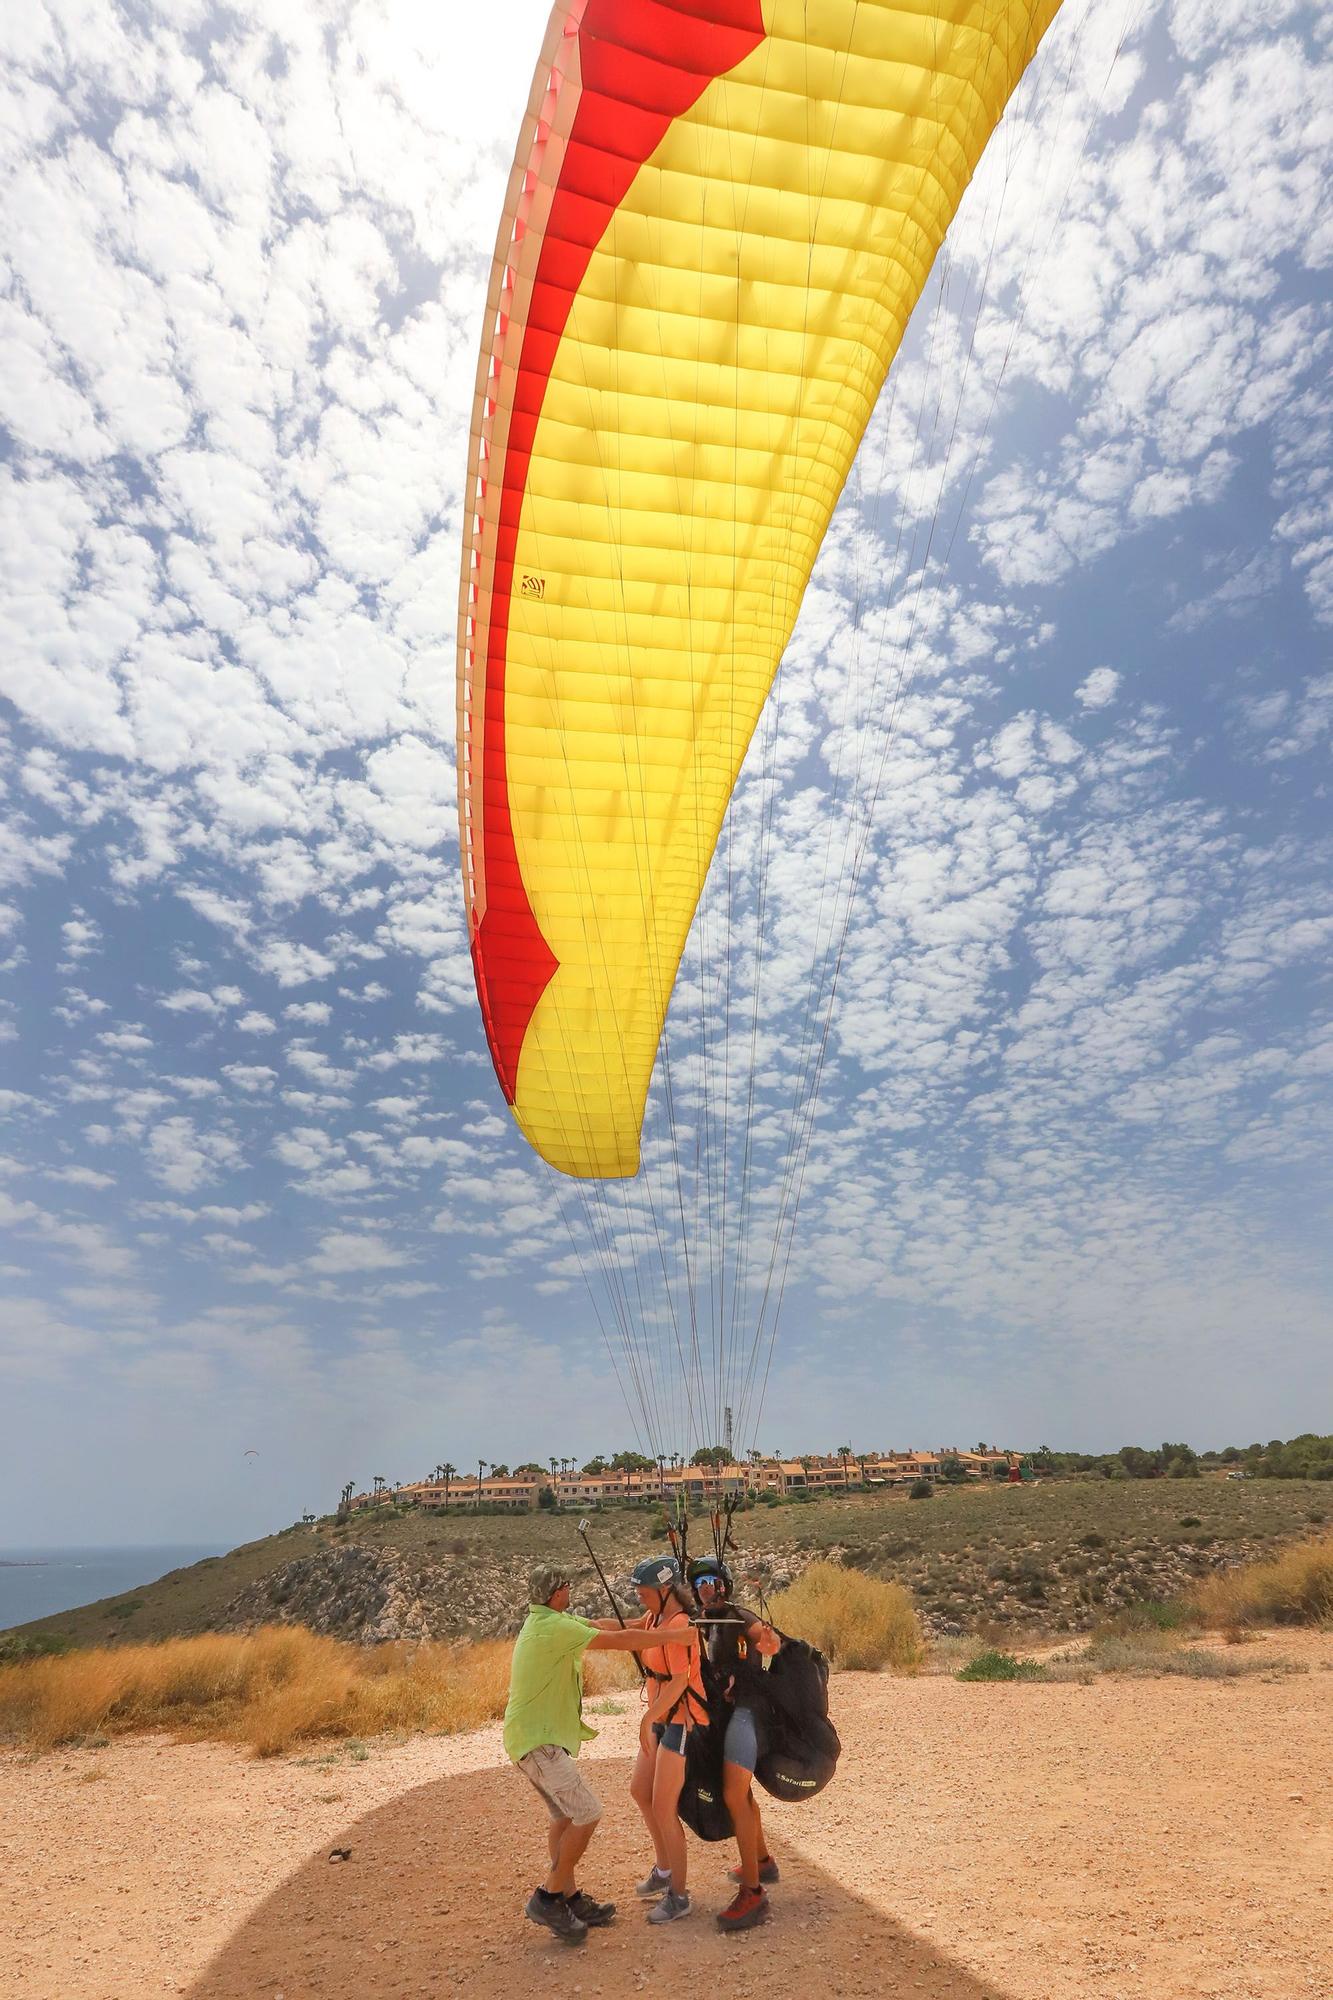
(798, 1745)
(701, 1805)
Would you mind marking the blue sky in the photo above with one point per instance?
(1061, 683)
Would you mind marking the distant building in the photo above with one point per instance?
(816, 1473)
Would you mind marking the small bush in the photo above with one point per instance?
(39, 1646)
(1154, 1615)
(1152, 1654)
(1092, 1541)
(920, 1489)
(1190, 1521)
(855, 1620)
(993, 1665)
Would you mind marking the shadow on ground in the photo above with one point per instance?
(432, 1897)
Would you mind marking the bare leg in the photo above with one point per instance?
(736, 1790)
(668, 1779)
(761, 1843)
(641, 1791)
(570, 1850)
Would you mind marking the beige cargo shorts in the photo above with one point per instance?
(557, 1777)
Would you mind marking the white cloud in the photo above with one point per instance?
(314, 1013)
(1099, 689)
(345, 1251)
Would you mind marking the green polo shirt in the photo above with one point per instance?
(546, 1683)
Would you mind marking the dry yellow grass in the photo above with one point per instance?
(855, 1620)
(270, 1689)
(1295, 1588)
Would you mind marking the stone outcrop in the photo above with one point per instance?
(366, 1595)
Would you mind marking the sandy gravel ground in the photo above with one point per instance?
(1167, 1838)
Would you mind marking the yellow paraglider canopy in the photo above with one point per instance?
(720, 218)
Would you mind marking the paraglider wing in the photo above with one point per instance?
(720, 217)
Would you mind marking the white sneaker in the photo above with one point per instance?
(672, 1905)
(655, 1883)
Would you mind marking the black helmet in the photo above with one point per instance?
(710, 1566)
(655, 1573)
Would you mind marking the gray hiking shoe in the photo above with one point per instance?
(555, 1913)
(674, 1904)
(655, 1883)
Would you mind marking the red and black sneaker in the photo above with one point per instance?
(747, 1908)
(768, 1871)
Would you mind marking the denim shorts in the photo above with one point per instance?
(741, 1743)
(671, 1736)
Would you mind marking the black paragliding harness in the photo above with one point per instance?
(798, 1744)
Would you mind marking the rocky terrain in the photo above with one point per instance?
(369, 1595)
(1056, 1557)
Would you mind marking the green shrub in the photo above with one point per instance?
(40, 1646)
(1154, 1615)
(920, 1489)
(992, 1665)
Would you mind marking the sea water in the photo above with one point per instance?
(34, 1583)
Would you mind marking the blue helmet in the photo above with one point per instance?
(655, 1573)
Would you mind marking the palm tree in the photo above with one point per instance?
(448, 1472)
(344, 1498)
(482, 1463)
(379, 1484)
(844, 1453)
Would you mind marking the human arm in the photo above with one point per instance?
(637, 1639)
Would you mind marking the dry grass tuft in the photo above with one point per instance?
(1145, 1655)
(1294, 1588)
(269, 1689)
(855, 1620)
(608, 1673)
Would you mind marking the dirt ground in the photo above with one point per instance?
(1169, 1838)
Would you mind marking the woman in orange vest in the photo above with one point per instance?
(675, 1703)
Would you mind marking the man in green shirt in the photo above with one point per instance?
(543, 1728)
